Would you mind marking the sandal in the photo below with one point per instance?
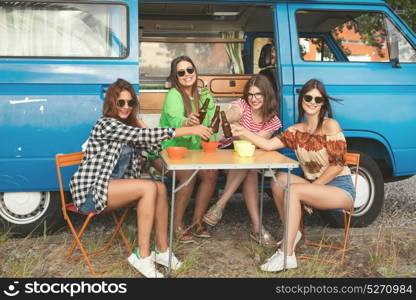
(200, 231)
(214, 215)
(266, 238)
(183, 236)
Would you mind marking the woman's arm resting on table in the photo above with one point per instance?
(259, 141)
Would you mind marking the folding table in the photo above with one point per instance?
(228, 159)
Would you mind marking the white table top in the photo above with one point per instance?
(228, 159)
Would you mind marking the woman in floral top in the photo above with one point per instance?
(320, 145)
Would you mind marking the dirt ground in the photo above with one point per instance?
(375, 251)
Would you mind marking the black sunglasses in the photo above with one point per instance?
(318, 100)
(130, 103)
(181, 73)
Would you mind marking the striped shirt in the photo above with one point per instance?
(247, 121)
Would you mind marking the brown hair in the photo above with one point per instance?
(326, 107)
(173, 78)
(110, 105)
(269, 108)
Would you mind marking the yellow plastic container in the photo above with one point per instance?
(245, 150)
(241, 142)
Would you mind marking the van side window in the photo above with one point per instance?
(358, 36)
(46, 29)
(315, 49)
(407, 54)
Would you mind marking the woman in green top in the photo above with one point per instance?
(180, 109)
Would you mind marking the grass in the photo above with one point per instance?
(385, 254)
(392, 251)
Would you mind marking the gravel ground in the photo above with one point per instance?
(400, 204)
(386, 248)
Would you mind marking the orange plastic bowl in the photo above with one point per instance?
(176, 152)
(209, 146)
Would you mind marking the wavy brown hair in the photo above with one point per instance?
(173, 78)
(110, 105)
(326, 109)
(269, 108)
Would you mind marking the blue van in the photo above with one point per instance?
(58, 57)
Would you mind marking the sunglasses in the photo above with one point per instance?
(181, 73)
(258, 96)
(318, 100)
(130, 103)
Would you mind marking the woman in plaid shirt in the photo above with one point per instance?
(108, 176)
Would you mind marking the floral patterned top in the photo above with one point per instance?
(316, 152)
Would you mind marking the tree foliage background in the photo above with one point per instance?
(406, 9)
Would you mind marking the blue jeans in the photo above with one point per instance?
(345, 183)
(88, 206)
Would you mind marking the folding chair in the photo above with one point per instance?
(70, 159)
(351, 159)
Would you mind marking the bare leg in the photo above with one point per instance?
(279, 193)
(123, 192)
(251, 197)
(161, 218)
(314, 195)
(205, 191)
(234, 179)
(182, 197)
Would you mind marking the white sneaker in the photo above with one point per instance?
(145, 266)
(276, 261)
(162, 258)
(298, 237)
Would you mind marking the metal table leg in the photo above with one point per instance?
(286, 211)
(172, 210)
(261, 205)
(287, 202)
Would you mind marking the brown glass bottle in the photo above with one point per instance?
(215, 121)
(225, 126)
(203, 111)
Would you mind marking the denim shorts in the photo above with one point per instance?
(345, 183)
(88, 206)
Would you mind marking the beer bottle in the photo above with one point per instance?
(215, 121)
(225, 125)
(203, 111)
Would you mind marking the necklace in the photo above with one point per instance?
(310, 130)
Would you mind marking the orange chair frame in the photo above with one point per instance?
(70, 159)
(351, 159)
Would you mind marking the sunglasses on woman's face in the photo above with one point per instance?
(181, 73)
(318, 99)
(130, 103)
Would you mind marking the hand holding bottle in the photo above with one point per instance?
(202, 131)
(238, 130)
(192, 120)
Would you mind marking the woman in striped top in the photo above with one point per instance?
(257, 112)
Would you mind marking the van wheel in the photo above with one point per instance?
(23, 213)
(369, 199)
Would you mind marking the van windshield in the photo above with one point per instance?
(45, 29)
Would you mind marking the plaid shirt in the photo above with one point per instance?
(105, 143)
